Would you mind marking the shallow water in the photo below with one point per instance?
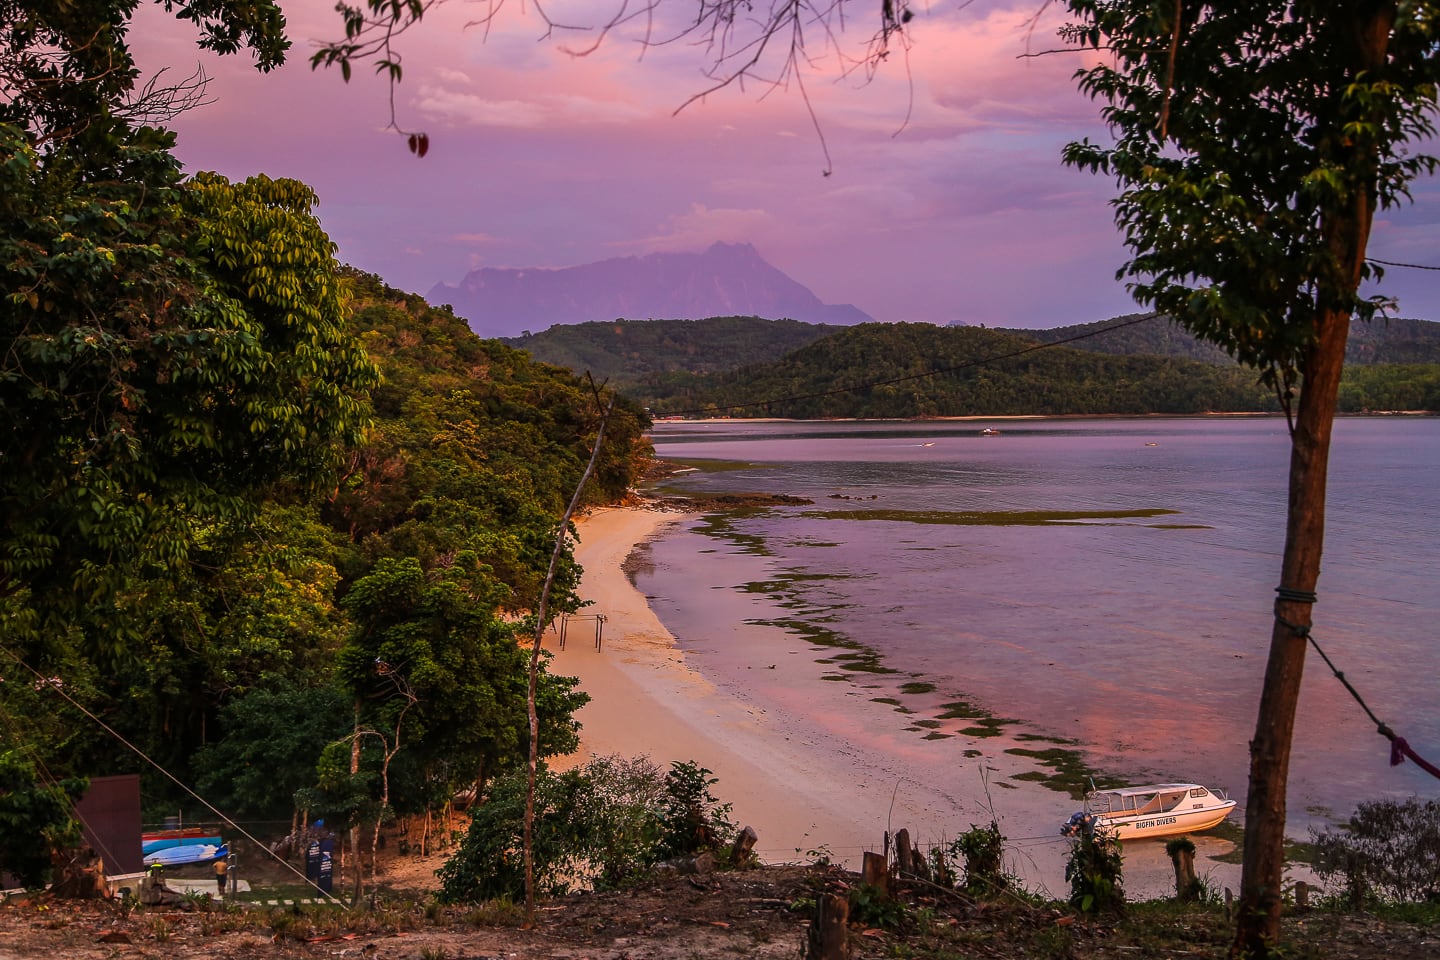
(959, 561)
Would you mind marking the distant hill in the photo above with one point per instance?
(728, 279)
(919, 370)
(1153, 366)
(632, 352)
(1383, 341)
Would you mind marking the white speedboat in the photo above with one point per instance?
(1158, 810)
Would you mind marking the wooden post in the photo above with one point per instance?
(829, 936)
(875, 871)
(904, 854)
(1187, 885)
(1302, 896)
(744, 846)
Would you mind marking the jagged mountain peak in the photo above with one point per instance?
(727, 279)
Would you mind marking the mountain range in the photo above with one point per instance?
(728, 279)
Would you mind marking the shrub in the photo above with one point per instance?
(981, 849)
(602, 825)
(691, 819)
(490, 864)
(1094, 872)
(1389, 848)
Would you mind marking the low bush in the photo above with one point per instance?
(1388, 849)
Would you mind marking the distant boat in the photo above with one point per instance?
(187, 853)
(1151, 443)
(1158, 810)
(989, 432)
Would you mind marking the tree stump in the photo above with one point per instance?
(904, 853)
(829, 935)
(82, 878)
(875, 871)
(743, 847)
(1182, 855)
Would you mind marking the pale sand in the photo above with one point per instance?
(824, 769)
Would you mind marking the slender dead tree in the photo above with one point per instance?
(541, 615)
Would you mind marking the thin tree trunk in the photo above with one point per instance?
(359, 866)
(540, 615)
(1347, 233)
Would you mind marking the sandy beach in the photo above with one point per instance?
(812, 766)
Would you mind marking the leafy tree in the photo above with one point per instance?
(30, 809)
(149, 392)
(437, 634)
(490, 865)
(67, 77)
(1253, 144)
(269, 745)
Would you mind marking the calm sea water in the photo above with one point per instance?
(1143, 639)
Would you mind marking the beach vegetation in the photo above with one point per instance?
(1387, 850)
(607, 824)
(692, 819)
(1095, 872)
(978, 854)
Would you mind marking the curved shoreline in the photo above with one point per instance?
(819, 771)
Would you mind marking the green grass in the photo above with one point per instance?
(990, 518)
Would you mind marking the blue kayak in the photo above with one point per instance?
(187, 853)
(162, 843)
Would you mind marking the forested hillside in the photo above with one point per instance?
(1396, 340)
(630, 352)
(385, 600)
(1136, 364)
(919, 370)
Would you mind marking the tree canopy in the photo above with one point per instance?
(1253, 144)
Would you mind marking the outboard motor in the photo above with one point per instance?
(1079, 822)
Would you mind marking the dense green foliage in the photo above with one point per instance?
(701, 365)
(1388, 849)
(647, 357)
(601, 825)
(30, 808)
(1387, 340)
(256, 508)
(1095, 872)
(1246, 246)
(953, 371)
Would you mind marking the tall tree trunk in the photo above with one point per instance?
(541, 612)
(1347, 234)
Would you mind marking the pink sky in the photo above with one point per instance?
(962, 213)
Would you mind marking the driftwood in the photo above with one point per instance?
(829, 934)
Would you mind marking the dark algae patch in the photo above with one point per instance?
(1069, 772)
(987, 727)
(991, 518)
(917, 686)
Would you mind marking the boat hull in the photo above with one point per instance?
(1142, 826)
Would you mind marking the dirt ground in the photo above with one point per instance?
(760, 913)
